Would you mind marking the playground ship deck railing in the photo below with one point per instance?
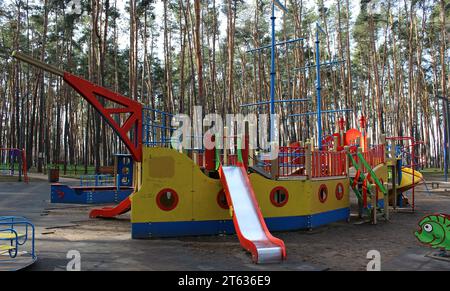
(303, 162)
(328, 164)
(292, 162)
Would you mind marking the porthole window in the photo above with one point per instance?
(279, 196)
(167, 199)
(323, 193)
(222, 200)
(339, 191)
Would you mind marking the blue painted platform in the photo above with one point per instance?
(214, 227)
(88, 194)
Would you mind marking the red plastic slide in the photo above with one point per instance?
(110, 212)
(248, 221)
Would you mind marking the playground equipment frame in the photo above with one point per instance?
(11, 222)
(131, 137)
(23, 166)
(412, 164)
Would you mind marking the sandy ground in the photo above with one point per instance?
(106, 244)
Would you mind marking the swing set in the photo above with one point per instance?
(13, 163)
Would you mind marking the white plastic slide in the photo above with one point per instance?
(247, 218)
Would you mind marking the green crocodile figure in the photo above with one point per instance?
(435, 231)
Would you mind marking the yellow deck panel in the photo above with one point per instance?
(6, 248)
(8, 236)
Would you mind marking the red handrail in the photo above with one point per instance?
(292, 163)
(328, 164)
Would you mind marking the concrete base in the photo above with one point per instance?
(22, 261)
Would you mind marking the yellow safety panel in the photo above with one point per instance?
(164, 169)
(5, 235)
(331, 201)
(6, 248)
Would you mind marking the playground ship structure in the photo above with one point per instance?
(184, 192)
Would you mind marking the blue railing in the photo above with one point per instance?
(9, 224)
(97, 180)
(157, 128)
(14, 242)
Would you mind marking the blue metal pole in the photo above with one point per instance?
(272, 76)
(163, 137)
(445, 141)
(318, 88)
(154, 133)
